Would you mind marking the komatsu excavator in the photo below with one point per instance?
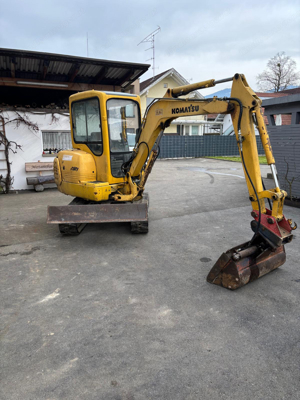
(107, 178)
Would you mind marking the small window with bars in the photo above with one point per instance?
(54, 141)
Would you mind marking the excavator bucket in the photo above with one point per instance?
(243, 264)
(251, 260)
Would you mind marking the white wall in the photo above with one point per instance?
(31, 142)
(227, 124)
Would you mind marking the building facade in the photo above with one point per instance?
(157, 86)
(34, 111)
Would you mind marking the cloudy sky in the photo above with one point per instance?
(201, 39)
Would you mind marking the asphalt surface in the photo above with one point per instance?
(115, 316)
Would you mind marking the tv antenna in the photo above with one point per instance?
(150, 39)
(87, 44)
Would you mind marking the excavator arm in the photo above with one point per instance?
(265, 251)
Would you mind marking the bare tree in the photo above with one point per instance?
(279, 74)
(291, 180)
(11, 146)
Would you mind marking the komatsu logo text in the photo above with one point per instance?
(188, 109)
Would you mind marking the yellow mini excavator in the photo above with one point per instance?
(114, 151)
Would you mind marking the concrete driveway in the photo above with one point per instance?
(111, 315)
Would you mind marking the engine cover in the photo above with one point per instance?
(75, 175)
(76, 166)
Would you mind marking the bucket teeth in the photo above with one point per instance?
(232, 274)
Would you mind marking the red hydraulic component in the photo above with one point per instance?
(251, 260)
(274, 232)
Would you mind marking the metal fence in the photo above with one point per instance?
(201, 146)
(285, 140)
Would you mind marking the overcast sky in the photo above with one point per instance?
(200, 39)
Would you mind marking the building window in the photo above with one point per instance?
(165, 85)
(187, 130)
(195, 130)
(54, 141)
(180, 130)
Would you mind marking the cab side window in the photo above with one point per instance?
(87, 124)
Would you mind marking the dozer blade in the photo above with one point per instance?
(97, 213)
(243, 264)
(73, 217)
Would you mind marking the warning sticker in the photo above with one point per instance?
(67, 158)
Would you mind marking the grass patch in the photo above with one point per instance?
(262, 159)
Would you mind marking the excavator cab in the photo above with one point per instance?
(101, 123)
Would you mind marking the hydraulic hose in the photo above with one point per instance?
(244, 164)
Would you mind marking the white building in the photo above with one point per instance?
(157, 86)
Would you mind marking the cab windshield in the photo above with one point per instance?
(123, 124)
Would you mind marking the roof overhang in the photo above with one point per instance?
(278, 101)
(57, 71)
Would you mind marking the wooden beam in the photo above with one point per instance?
(75, 87)
(45, 68)
(13, 67)
(127, 76)
(73, 72)
(101, 74)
